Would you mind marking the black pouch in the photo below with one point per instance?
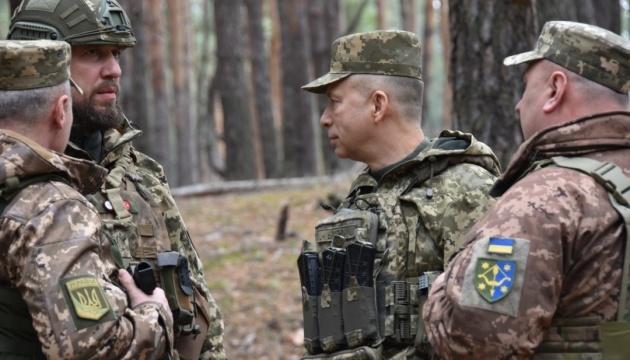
(309, 269)
(329, 315)
(359, 303)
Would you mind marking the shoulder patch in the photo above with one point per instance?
(86, 300)
(494, 277)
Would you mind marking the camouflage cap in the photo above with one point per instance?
(592, 52)
(383, 52)
(34, 64)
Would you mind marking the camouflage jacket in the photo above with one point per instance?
(153, 223)
(51, 249)
(550, 248)
(425, 205)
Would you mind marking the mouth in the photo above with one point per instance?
(109, 92)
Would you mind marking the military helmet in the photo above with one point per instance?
(78, 22)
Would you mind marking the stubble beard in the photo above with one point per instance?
(92, 119)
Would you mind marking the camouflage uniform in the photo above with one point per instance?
(52, 244)
(543, 268)
(140, 215)
(153, 223)
(423, 204)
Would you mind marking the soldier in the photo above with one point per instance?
(58, 297)
(403, 216)
(543, 273)
(140, 216)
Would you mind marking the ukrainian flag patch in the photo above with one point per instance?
(500, 246)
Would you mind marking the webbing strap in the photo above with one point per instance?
(612, 178)
(118, 204)
(14, 185)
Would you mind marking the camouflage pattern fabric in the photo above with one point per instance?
(51, 236)
(590, 51)
(143, 183)
(554, 244)
(33, 64)
(77, 22)
(417, 233)
(391, 52)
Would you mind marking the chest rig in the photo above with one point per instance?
(134, 224)
(363, 284)
(589, 337)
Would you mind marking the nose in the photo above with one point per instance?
(517, 108)
(111, 68)
(325, 120)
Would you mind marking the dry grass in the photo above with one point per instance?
(252, 276)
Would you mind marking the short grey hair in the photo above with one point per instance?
(405, 91)
(29, 106)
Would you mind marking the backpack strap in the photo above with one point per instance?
(14, 185)
(612, 178)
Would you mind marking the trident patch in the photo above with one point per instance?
(88, 300)
(494, 278)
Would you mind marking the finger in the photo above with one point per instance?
(124, 278)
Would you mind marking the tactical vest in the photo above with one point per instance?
(135, 226)
(370, 292)
(18, 338)
(588, 337)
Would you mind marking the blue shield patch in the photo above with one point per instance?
(494, 278)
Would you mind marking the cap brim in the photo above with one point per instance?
(522, 58)
(76, 86)
(319, 85)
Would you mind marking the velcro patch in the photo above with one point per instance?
(494, 281)
(86, 300)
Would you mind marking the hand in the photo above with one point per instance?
(137, 296)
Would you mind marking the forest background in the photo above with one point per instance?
(215, 87)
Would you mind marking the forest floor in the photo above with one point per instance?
(252, 276)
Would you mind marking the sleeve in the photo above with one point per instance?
(213, 346)
(501, 291)
(77, 311)
(460, 198)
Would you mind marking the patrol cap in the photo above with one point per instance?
(590, 51)
(34, 64)
(382, 52)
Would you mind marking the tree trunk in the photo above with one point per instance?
(607, 14)
(427, 62)
(210, 159)
(262, 90)
(185, 118)
(381, 14)
(297, 113)
(408, 14)
(160, 127)
(240, 160)
(483, 33)
(324, 24)
(445, 39)
(134, 81)
(603, 13)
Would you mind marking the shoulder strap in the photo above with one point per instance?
(612, 178)
(14, 185)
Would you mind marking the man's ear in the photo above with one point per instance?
(380, 104)
(60, 112)
(557, 85)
